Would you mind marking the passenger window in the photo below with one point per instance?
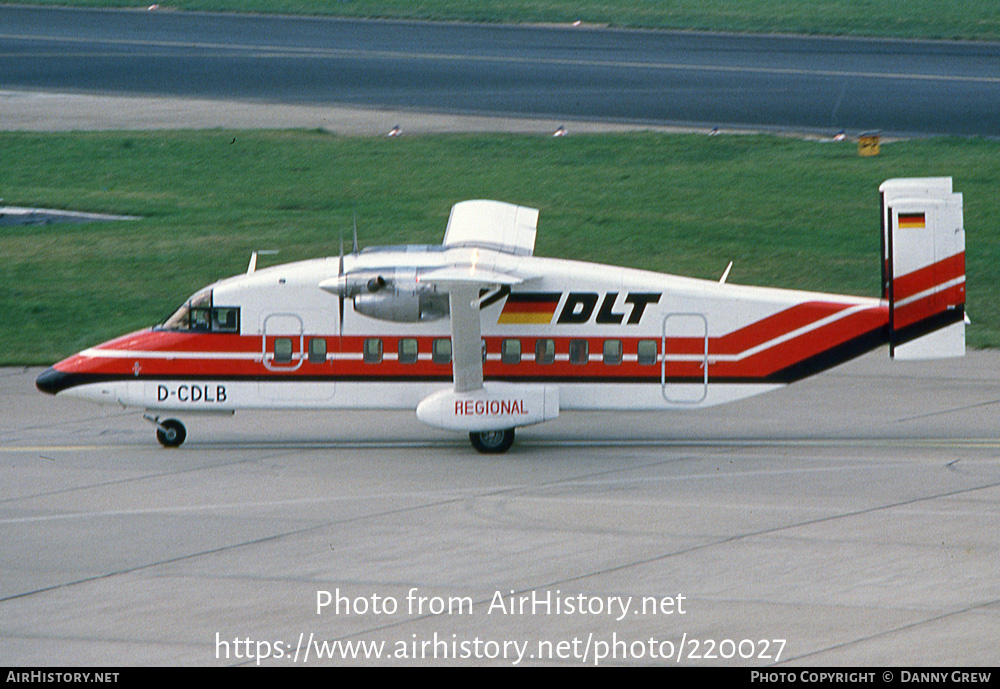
(441, 351)
(647, 352)
(317, 351)
(408, 350)
(282, 350)
(612, 352)
(579, 352)
(484, 350)
(545, 351)
(510, 351)
(373, 350)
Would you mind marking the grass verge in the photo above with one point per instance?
(947, 19)
(790, 213)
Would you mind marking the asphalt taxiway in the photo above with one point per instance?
(797, 83)
(850, 519)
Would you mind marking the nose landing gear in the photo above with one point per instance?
(170, 432)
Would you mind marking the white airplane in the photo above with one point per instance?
(481, 336)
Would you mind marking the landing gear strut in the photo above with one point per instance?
(170, 433)
(492, 442)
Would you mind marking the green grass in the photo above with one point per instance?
(958, 19)
(790, 213)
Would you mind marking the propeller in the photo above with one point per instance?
(340, 276)
(340, 271)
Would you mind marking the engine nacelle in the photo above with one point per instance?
(390, 295)
(401, 306)
(497, 406)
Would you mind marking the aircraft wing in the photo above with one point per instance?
(472, 275)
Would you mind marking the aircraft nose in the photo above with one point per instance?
(52, 381)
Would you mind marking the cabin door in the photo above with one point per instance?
(282, 342)
(684, 365)
(296, 365)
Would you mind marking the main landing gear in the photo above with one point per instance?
(170, 433)
(492, 442)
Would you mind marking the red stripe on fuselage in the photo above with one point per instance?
(152, 340)
(758, 365)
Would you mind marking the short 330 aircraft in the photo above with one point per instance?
(481, 336)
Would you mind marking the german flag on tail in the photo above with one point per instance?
(912, 221)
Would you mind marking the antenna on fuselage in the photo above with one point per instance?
(725, 274)
(355, 234)
(253, 258)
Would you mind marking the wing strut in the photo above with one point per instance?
(466, 338)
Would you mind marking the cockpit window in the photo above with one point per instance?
(226, 319)
(200, 318)
(199, 314)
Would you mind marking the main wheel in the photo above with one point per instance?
(172, 433)
(492, 442)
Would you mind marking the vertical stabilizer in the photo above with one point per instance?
(923, 267)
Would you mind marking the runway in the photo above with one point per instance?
(654, 78)
(850, 519)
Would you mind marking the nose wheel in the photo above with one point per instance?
(170, 432)
(492, 442)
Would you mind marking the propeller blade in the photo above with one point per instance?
(340, 274)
